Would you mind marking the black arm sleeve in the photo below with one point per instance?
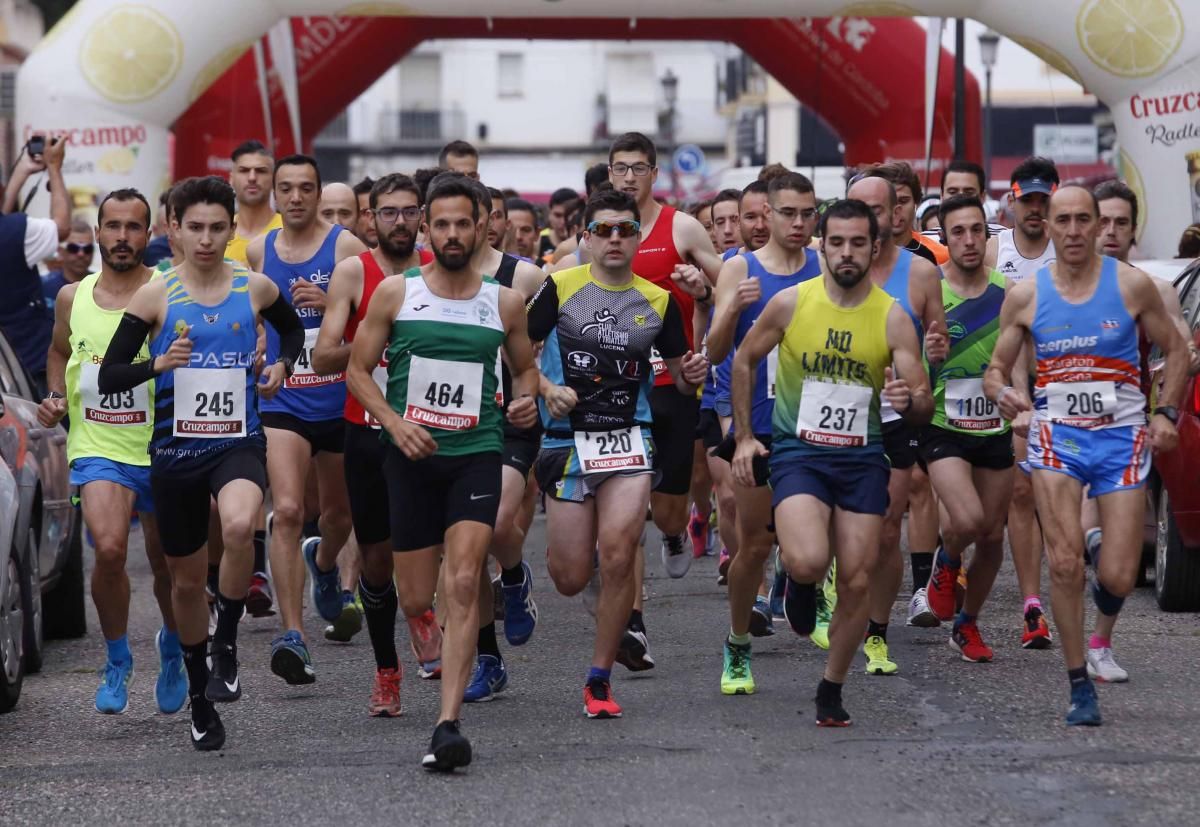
(282, 316)
(542, 311)
(672, 340)
(119, 372)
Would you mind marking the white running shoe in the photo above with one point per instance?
(676, 559)
(919, 613)
(1103, 667)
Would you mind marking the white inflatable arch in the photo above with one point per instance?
(116, 75)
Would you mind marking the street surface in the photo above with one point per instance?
(944, 742)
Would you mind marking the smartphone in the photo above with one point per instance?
(36, 145)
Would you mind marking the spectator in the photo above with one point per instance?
(76, 256)
(25, 241)
(1189, 244)
(159, 247)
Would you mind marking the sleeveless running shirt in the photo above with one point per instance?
(211, 405)
(442, 366)
(831, 363)
(1087, 356)
(972, 326)
(372, 277)
(1015, 266)
(115, 426)
(655, 261)
(897, 286)
(306, 394)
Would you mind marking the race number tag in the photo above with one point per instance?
(772, 367)
(833, 415)
(444, 395)
(499, 380)
(210, 403)
(380, 375)
(611, 450)
(1082, 404)
(131, 407)
(657, 364)
(303, 375)
(967, 408)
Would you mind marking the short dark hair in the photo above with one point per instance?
(458, 148)
(634, 142)
(959, 202)
(393, 182)
(1035, 166)
(1118, 189)
(969, 167)
(207, 190)
(696, 207)
(757, 187)
(126, 194)
(563, 195)
(423, 176)
(1189, 242)
(772, 171)
(610, 199)
(249, 147)
(299, 160)
(521, 205)
(727, 195)
(596, 175)
(899, 174)
(164, 197)
(365, 186)
(850, 208)
(452, 186)
(499, 196)
(791, 181)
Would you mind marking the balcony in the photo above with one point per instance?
(421, 127)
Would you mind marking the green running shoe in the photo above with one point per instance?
(878, 662)
(820, 635)
(736, 678)
(350, 622)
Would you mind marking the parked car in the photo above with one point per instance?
(41, 584)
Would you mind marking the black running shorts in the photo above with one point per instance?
(674, 431)
(429, 495)
(324, 436)
(366, 485)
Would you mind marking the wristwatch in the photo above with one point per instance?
(708, 293)
(55, 395)
(1169, 411)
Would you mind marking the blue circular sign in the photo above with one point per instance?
(689, 159)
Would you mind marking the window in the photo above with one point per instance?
(510, 75)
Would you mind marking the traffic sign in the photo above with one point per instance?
(689, 159)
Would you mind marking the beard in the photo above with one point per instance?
(106, 256)
(457, 257)
(397, 250)
(847, 279)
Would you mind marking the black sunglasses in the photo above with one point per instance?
(75, 249)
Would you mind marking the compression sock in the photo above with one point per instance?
(380, 608)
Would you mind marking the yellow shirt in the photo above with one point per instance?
(236, 249)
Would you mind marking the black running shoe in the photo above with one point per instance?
(634, 651)
(224, 686)
(208, 733)
(830, 712)
(800, 606)
(448, 749)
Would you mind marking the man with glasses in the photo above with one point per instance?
(76, 257)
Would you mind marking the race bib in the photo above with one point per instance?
(380, 375)
(1082, 404)
(772, 367)
(302, 372)
(131, 407)
(833, 415)
(968, 409)
(611, 450)
(444, 395)
(210, 403)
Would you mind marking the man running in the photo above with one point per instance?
(1089, 425)
(522, 239)
(600, 323)
(107, 447)
(443, 327)
(303, 422)
(563, 202)
(843, 344)
(201, 319)
(339, 205)
(460, 156)
(364, 228)
(251, 178)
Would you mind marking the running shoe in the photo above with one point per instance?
(448, 749)
(260, 601)
(349, 623)
(919, 613)
(290, 659)
(212, 620)
(385, 694)
(1085, 706)
(497, 599)
(878, 662)
(1036, 634)
(598, 701)
(489, 679)
(830, 712)
(820, 632)
(1103, 667)
(425, 637)
(324, 587)
(800, 606)
(829, 587)
(940, 592)
(700, 533)
(520, 612)
(675, 558)
(735, 677)
(208, 733)
(761, 624)
(960, 589)
(723, 562)
(171, 689)
(966, 640)
(778, 586)
(1091, 546)
(634, 652)
(112, 695)
(224, 685)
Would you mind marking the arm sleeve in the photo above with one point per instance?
(282, 316)
(41, 239)
(543, 311)
(119, 372)
(672, 341)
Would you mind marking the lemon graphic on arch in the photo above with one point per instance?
(130, 54)
(1129, 38)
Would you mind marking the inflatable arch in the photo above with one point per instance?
(116, 76)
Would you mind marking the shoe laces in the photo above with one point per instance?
(111, 675)
(674, 544)
(737, 662)
(970, 634)
(599, 690)
(387, 684)
(940, 577)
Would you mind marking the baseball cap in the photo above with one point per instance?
(1028, 186)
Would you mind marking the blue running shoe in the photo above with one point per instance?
(520, 612)
(1085, 706)
(778, 586)
(171, 688)
(112, 696)
(290, 659)
(761, 624)
(325, 588)
(490, 677)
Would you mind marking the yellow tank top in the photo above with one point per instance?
(236, 248)
(114, 426)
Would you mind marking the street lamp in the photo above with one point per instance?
(670, 87)
(989, 45)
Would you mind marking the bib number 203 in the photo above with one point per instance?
(444, 395)
(217, 403)
(122, 401)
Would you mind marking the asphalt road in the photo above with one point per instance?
(944, 742)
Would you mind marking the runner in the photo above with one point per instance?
(303, 422)
(726, 227)
(497, 227)
(365, 226)
(1018, 254)
(908, 196)
(460, 156)
(702, 212)
(201, 319)
(747, 283)
(107, 447)
(600, 324)
(828, 469)
(1089, 424)
(443, 327)
(522, 239)
(914, 283)
(562, 202)
(964, 178)
(339, 205)
(251, 178)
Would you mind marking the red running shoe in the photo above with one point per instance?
(259, 600)
(1036, 634)
(385, 694)
(698, 531)
(426, 638)
(941, 590)
(598, 702)
(966, 640)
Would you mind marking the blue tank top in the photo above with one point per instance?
(897, 287)
(306, 395)
(215, 398)
(716, 384)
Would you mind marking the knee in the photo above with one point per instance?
(801, 567)
(670, 515)
(110, 553)
(287, 511)
(616, 562)
(568, 580)
(188, 587)
(411, 602)
(1066, 568)
(237, 531)
(336, 521)
(1022, 493)
(754, 547)
(376, 567)
(462, 585)
(969, 525)
(853, 580)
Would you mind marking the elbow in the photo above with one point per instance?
(104, 380)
